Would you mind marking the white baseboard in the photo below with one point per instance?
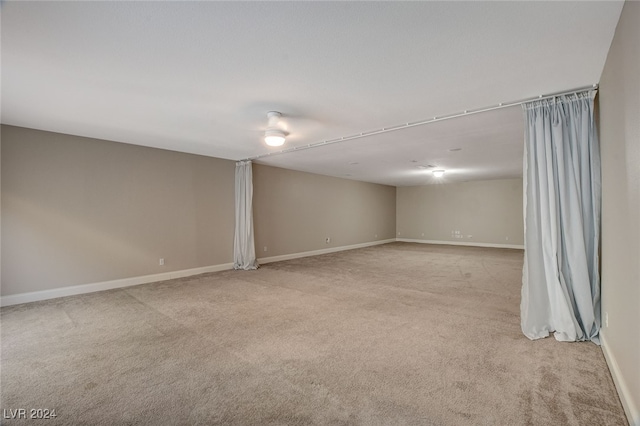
(322, 251)
(16, 299)
(630, 408)
(461, 243)
(35, 296)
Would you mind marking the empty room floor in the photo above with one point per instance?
(401, 333)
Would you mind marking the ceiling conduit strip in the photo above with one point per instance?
(420, 123)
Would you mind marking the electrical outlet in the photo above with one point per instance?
(265, 248)
(161, 261)
(606, 319)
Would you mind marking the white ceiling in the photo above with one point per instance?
(199, 77)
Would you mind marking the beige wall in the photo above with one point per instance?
(490, 211)
(295, 212)
(81, 211)
(78, 210)
(620, 149)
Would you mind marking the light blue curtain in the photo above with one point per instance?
(561, 281)
(244, 250)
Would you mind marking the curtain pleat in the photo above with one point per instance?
(561, 281)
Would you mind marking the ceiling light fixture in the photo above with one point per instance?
(274, 136)
(438, 173)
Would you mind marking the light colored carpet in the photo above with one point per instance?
(399, 334)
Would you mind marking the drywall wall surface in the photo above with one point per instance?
(77, 210)
(487, 212)
(619, 100)
(296, 212)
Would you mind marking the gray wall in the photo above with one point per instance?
(77, 210)
(490, 211)
(620, 149)
(296, 211)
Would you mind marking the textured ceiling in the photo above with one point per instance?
(199, 77)
(486, 145)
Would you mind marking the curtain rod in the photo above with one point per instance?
(422, 122)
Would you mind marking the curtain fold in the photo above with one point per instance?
(560, 280)
(244, 250)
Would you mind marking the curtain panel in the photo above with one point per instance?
(244, 250)
(561, 281)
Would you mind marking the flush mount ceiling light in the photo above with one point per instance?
(274, 136)
(438, 173)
